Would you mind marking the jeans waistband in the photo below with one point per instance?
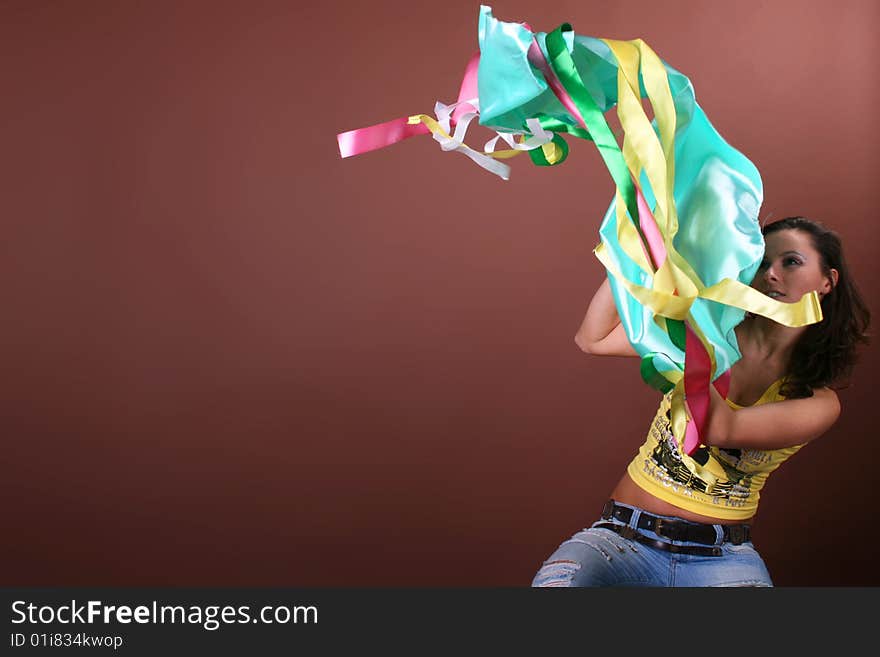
(675, 529)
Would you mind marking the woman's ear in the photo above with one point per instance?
(831, 280)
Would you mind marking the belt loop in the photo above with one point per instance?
(634, 518)
(719, 534)
(608, 510)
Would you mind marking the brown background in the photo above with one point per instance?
(232, 358)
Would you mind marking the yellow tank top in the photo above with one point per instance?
(722, 483)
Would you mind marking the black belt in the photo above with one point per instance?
(628, 532)
(673, 530)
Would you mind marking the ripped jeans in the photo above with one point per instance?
(600, 557)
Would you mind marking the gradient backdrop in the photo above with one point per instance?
(232, 358)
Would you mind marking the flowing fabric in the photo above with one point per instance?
(680, 241)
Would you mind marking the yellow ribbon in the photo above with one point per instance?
(674, 285)
(728, 291)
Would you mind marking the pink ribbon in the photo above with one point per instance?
(468, 90)
(363, 140)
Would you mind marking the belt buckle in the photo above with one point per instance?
(664, 529)
(671, 530)
(658, 527)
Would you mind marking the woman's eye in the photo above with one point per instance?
(792, 260)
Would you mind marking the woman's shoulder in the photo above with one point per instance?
(823, 393)
(826, 394)
(823, 404)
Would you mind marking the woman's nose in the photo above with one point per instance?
(770, 273)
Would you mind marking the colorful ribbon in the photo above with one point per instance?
(680, 241)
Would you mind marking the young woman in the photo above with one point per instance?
(678, 520)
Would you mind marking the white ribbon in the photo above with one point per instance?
(536, 139)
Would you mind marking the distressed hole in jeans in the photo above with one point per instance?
(619, 542)
(595, 547)
(556, 573)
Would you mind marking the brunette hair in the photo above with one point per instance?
(826, 352)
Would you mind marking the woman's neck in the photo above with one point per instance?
(768, 340)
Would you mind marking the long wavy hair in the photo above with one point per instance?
(826, 352)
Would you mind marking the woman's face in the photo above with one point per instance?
(792, 267)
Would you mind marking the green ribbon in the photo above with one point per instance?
(538, 157)
(563, 66)
(553, 124)
(676, 331)
(652, 376)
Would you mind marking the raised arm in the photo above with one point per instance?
(601, 333)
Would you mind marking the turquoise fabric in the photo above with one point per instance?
(717, 190)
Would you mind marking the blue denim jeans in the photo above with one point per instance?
(600, 557)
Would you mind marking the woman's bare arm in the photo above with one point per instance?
(601, 332)
(770, 426)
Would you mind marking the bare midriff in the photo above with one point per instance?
(627, 492)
